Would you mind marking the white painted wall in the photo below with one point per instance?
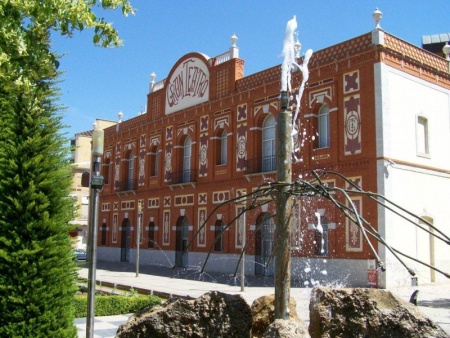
(415, 182)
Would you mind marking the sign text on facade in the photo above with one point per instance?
(188, 85)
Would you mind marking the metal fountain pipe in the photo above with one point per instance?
(283, 210)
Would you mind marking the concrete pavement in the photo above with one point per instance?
(433, 300)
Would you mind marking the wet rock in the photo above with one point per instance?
(214, 314)
(369, 313)
(263, 313)
(286, 328)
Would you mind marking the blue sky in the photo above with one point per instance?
(98, 82)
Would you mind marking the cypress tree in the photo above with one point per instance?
(36, 265)
(37, 271)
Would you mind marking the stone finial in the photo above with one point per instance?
(152, 82)
(377, 15)
(234, 50)
(446, 51)
(233, 38)
(119, 115)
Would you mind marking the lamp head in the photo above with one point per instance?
(97, 141)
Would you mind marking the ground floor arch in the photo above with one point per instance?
(125, 243)
(181, 242)
(264, 242)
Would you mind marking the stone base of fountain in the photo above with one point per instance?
(348, 312)
(215, 314)
(369, 313)
(263, 313)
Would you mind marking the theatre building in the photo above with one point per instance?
(376, 110)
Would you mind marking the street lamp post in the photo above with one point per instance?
(138, 236)
(96, 186)
(243, 220)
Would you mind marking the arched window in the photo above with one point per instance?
(106, 171)
(130, 172)
(422, 136)
(268, 144)
(324, 127)
(187, 154)
(223, 148)
(154, 161)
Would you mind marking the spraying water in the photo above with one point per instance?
(289, 55)
(289, 65)
(319, 228)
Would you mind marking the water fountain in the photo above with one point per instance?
(283, 190)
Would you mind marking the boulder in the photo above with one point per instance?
(369, 313)
(214, 314)
(263, 313)
(287, 328)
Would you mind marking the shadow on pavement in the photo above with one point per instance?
(441, 303)
(190, 273)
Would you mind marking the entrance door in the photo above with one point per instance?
(182, 240)
(426, 246)
(264, 259)
(125, 241)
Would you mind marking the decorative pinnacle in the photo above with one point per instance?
(377, 15)
(446, 51)
(233, 38)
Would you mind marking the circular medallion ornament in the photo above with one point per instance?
(241, 146)
(352, 125)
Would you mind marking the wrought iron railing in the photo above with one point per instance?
(183, 176)
(127, 185)
(261, 165)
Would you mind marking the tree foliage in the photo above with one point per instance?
(36, 265)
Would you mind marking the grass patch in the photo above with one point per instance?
(110, 305)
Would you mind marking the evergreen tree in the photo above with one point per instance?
(37, 271)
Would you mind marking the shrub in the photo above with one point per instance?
(109, 305)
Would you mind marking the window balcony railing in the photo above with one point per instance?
(261, 165)
(127, 185)
(184, 176)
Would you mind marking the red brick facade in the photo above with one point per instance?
(181, 191)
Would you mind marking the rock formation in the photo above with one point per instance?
(369, 313)
(214, 315)
(334, 313)
(286, 328)
(263, 313)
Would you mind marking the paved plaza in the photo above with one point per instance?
(433, 300)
